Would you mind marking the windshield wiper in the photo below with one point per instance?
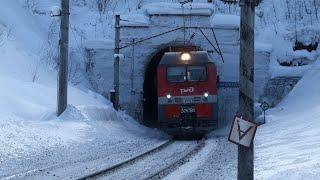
(201, 76)
(176, 82)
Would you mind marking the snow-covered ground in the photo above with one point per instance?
(288, 146)
(32, 137)
(217, 160)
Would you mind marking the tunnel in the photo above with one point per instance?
(150, 99)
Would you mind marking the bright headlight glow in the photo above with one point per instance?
(168, 96)
(185, 57)
(206, 95)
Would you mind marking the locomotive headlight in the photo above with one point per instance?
(169, 96)
(185, 57)
(206, 95)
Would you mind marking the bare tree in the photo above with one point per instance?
(103, 5)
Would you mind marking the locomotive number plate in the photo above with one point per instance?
(188, 109)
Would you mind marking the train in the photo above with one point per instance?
(187, 84)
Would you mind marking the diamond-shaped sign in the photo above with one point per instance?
(242, 132)
(264, 106)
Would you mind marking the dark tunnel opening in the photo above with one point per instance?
(150, 98)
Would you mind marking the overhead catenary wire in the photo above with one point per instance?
(218, 51)
(184, 24)
(217, 42)
(148, 38)
(172, 30)
(191, 34)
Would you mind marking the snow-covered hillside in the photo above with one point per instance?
(33, 137)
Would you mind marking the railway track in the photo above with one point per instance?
(167, 170)
(59, 171)
(129, 161)
(154, 164)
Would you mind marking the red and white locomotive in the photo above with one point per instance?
(187, 93)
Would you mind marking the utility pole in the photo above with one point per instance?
(246, 90)
(116, 63)
(63, 60)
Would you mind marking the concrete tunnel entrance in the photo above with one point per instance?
(150, 98)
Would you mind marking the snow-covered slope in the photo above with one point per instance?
(31, 135)
(288, 146)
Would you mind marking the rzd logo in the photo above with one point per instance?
(188, 90)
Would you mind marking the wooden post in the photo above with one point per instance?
(63, 60)
(246, 90)
(117, 62)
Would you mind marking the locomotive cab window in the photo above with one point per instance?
(186, 73)
(196, 73)
(176, 74)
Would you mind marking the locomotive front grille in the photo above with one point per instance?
(188, 120)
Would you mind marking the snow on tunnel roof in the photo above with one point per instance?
(226, 21)
(165, 8)
(135, 20)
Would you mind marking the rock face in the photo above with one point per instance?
(277, 88)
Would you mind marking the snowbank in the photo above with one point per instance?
(137, 20)
(288, 146)
(32, 136)
(30, 129)
(226, 21)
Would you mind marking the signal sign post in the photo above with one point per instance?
(116, 65)
(242, 132)
(264, 106)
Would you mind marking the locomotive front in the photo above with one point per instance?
(187, 93)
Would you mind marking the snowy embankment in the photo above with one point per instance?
(32, 137)
(288, 146)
